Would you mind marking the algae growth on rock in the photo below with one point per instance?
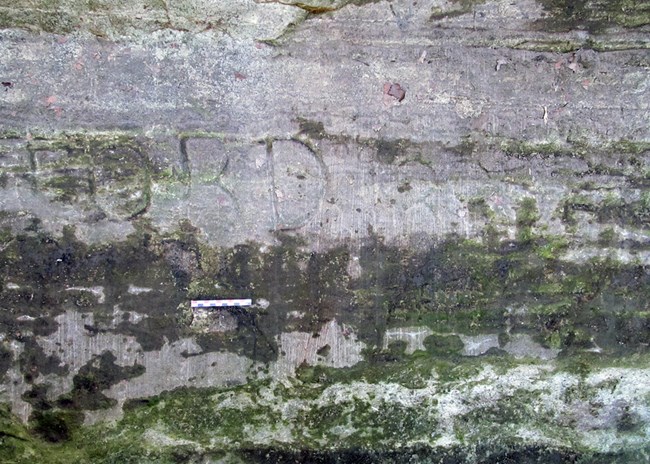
(461, 276)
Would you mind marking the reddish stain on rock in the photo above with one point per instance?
(394, 90)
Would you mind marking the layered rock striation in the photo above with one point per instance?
(439, 209)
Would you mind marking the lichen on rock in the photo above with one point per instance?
(460, 274)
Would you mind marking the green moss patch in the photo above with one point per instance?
(594, 15)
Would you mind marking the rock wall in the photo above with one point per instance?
(440, 210)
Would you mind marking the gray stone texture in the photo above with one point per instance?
(158, 151)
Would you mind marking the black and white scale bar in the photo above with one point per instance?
(220, 303)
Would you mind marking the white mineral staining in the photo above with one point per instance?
(413, 336)
(98, 291)
(475, 345)
(522, 346)
(133, 290)
(296, 348)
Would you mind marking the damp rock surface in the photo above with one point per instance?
(440, 210)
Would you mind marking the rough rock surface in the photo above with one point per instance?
(439, 208)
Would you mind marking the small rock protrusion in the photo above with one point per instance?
(500, 62)
(394, 90)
